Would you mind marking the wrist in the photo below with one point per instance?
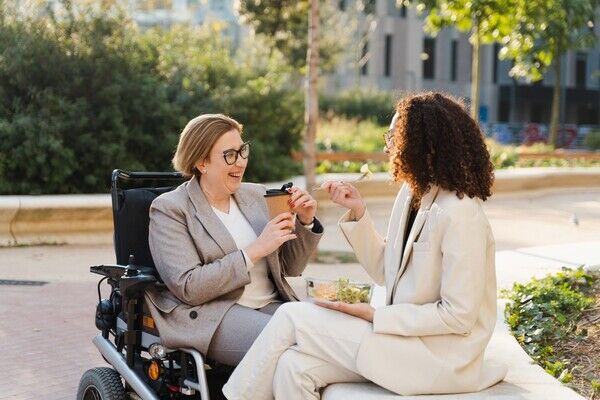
(306, 221)
(359, 211)
(253, 253)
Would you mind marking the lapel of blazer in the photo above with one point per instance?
(416, 228)
(395, 236)
(208, 218)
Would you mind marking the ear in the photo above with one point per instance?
(201, 165)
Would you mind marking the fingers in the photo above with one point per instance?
(332, 305)
(285, 224)
(300, 201)
(281, 217)
(288, 237)
(339, 194)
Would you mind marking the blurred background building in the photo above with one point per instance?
(392, 52)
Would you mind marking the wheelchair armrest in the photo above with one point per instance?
(112, 271)
(115, 271)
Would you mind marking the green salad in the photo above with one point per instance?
(349, 293)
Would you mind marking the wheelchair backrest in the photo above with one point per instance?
(132, 195)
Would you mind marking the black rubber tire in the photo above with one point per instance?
(101, 384)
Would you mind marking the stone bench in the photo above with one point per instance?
(525, 379)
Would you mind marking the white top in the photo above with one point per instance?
(260, 291)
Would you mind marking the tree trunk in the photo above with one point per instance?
(311, 110)
(475, 70)
(555, 116)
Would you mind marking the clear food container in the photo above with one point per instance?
(339, 290)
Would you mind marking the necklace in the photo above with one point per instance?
(214, 203)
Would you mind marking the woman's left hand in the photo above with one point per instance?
(303, 204)
(360, 310)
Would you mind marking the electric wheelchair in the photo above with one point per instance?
(129, 341)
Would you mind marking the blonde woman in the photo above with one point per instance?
(222, 261)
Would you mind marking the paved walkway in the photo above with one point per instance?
(46, 329)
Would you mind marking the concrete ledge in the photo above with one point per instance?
(525, 380)
(81, 219)
(87, 219)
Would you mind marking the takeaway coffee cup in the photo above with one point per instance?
(277, 200)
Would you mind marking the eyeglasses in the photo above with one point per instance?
(231, 156)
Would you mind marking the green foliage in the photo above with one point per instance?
(85, 93)
(377, 106)
(350, 135)
(285, 24)
(592, 140)
(494, 18)
(545, 30)
(502, 156)
(342, 134)
(545, 311)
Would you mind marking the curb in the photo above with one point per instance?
(87, 219)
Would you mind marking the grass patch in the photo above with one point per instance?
(557, 321)
(335, 257)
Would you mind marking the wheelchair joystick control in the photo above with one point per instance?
(131, 269)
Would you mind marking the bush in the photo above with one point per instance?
(85, 92)
(544, 312)
(592, 140)
(361, 105)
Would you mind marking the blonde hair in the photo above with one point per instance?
(197, 139)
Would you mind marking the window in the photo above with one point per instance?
(364, 59)
(369, 6)
(496, 62)
(396, 10)
(387, 63)
(453, 59)
(580, 70)
(428, 57)
(342, 5)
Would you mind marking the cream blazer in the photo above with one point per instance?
(440, 310)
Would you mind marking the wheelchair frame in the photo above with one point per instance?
(182, 371)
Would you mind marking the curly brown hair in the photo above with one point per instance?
(436, 142)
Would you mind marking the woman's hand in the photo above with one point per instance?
(303, 204)
(276, 232)
(346, 195)
(360, 310)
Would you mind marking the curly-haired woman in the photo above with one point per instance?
(437, 264)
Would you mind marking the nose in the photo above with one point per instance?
(241, 162)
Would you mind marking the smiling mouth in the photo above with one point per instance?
(236, 175)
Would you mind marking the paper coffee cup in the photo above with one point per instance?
(277, 203)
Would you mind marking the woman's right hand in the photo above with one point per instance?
(275, 233)
(346, 195)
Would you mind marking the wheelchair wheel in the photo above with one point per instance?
(101, 384)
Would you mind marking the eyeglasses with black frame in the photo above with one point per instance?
(231, 156)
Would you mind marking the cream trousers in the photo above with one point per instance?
(302, 349)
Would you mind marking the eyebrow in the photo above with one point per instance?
(232, 149)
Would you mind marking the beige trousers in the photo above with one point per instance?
(302, 349)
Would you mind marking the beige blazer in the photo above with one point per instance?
(441, 296)
(203, 270)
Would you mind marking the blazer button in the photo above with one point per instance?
(193, 314)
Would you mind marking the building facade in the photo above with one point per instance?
(391, 52)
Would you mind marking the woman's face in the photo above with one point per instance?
(389, 135)
(217, 174)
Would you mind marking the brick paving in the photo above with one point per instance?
(45, 339)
